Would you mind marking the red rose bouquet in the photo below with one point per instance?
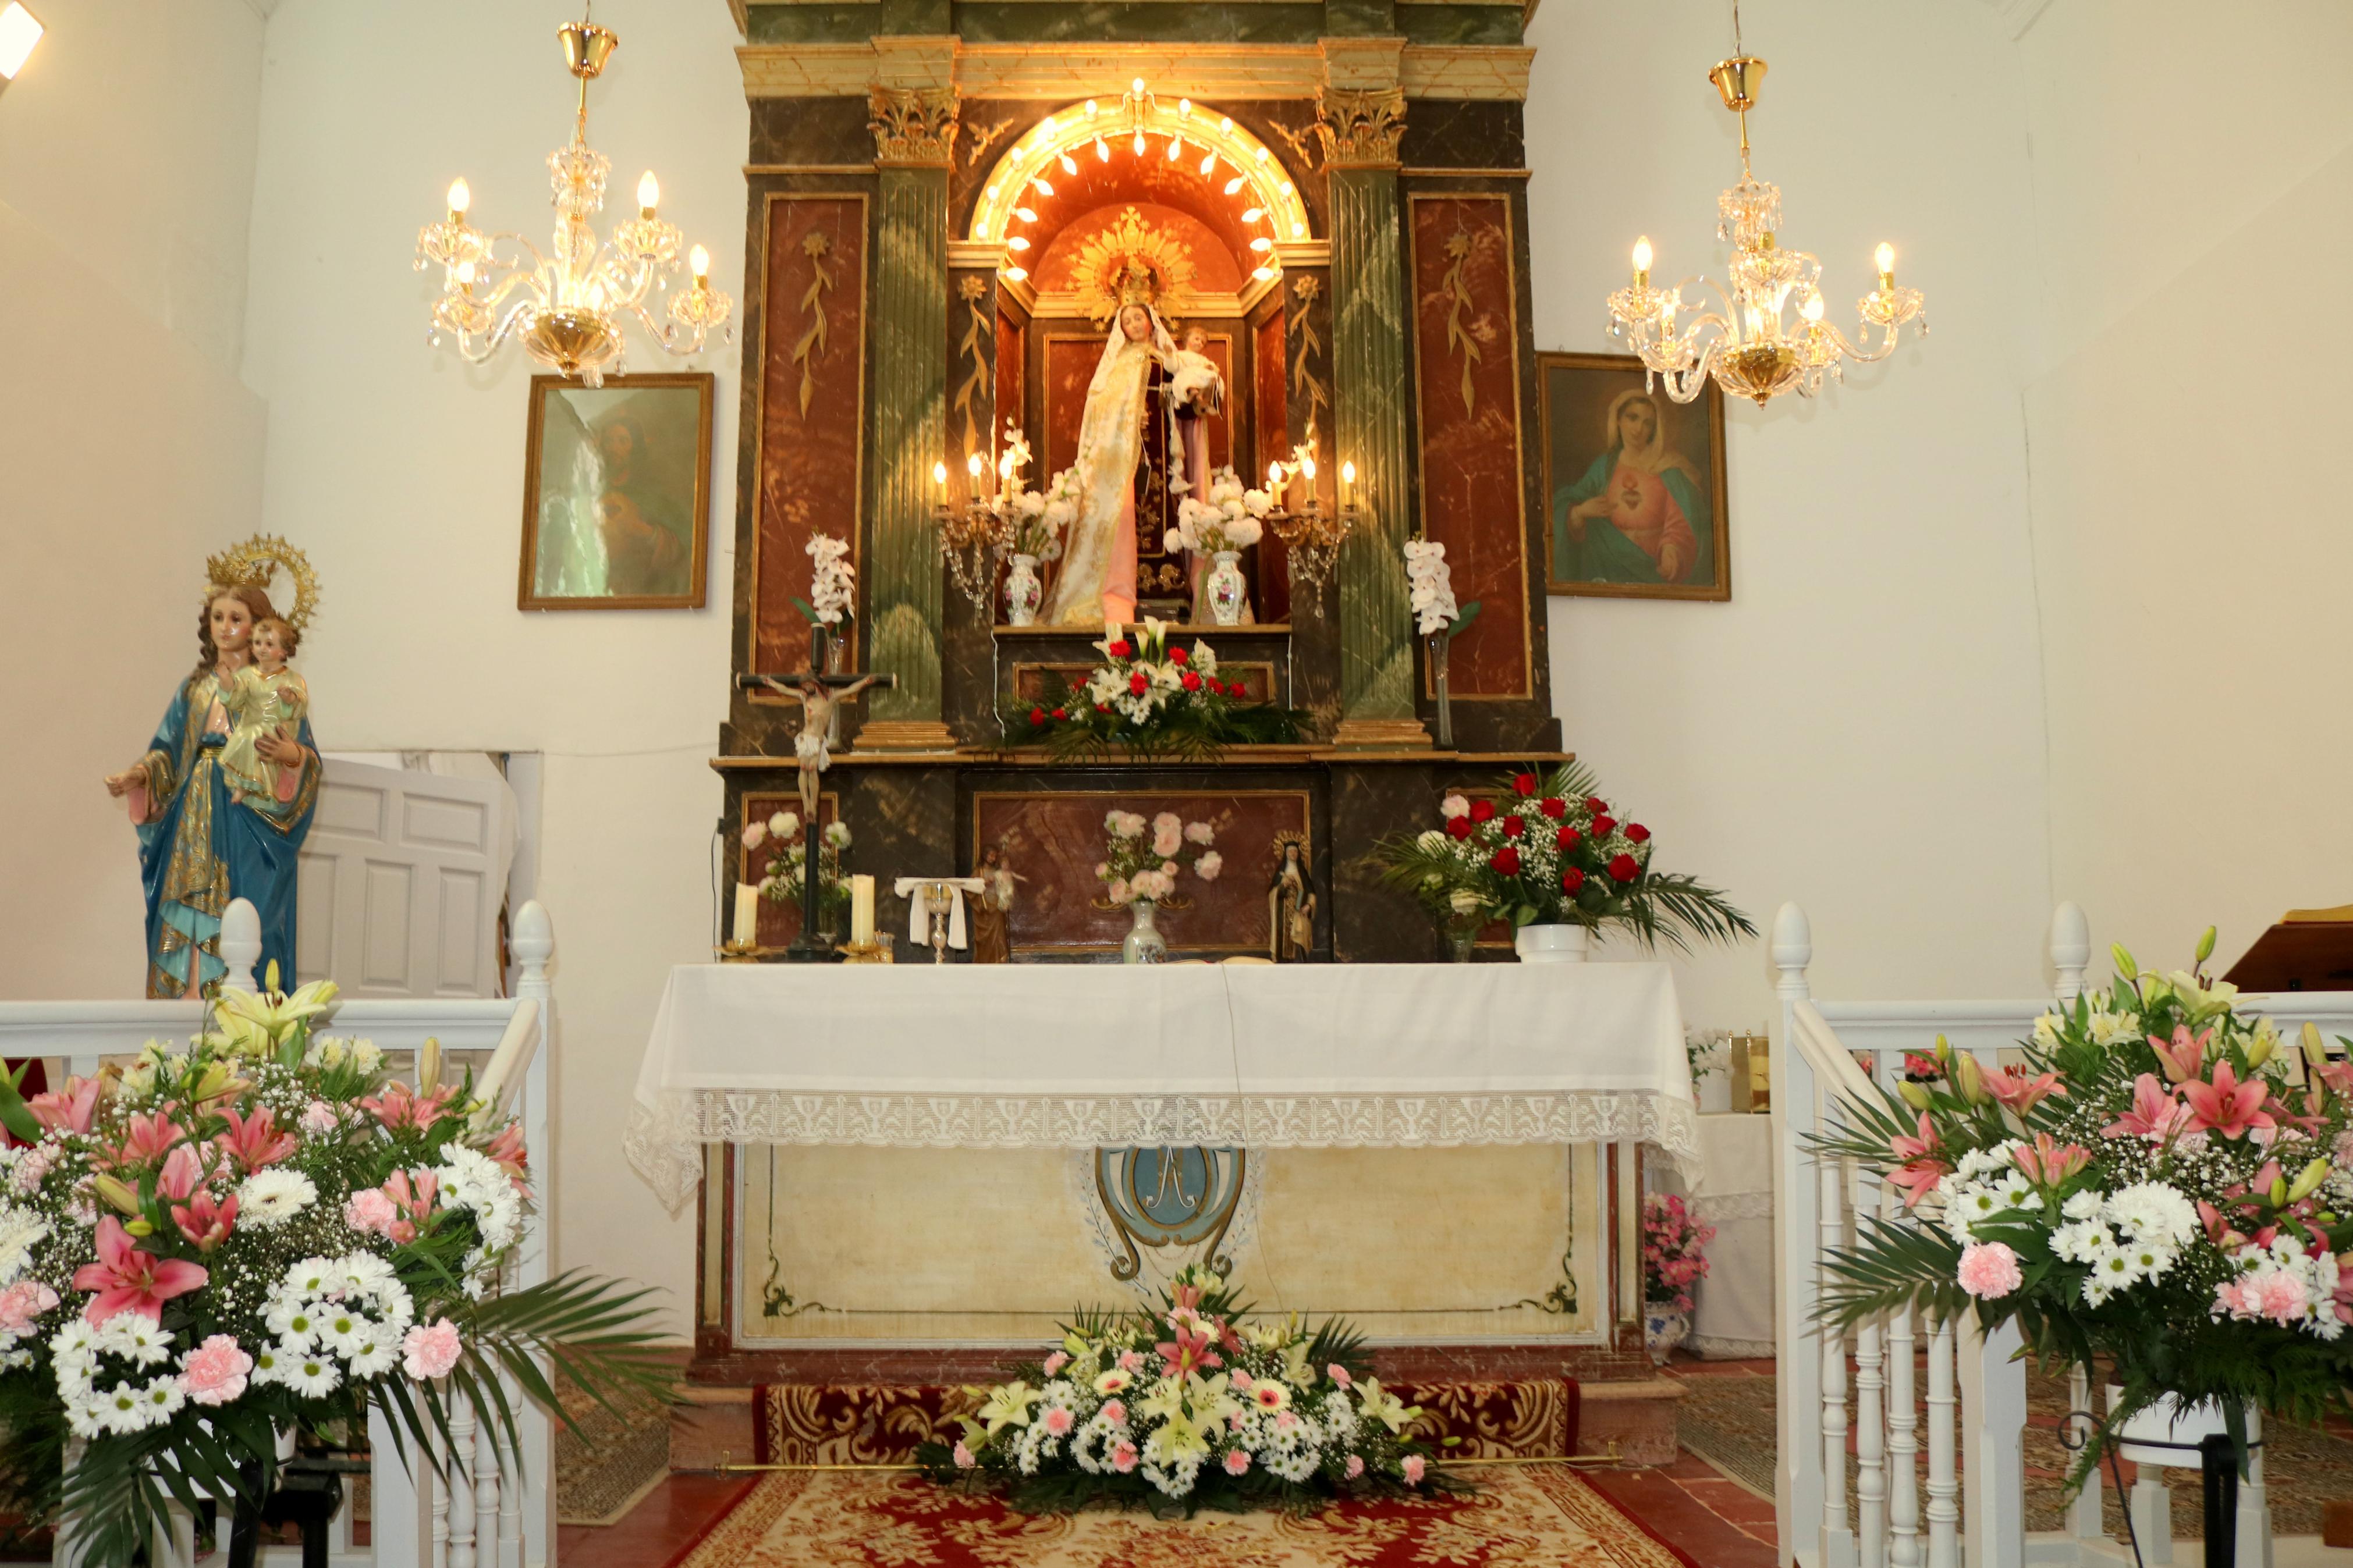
(1547, 848)
(1151, 697)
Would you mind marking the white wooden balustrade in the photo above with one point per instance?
(1973, 1408)
(482, 1518)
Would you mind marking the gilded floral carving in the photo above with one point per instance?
(1360, 129)
(914, 127)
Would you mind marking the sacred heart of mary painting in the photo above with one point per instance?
(1634, 483)
(616, 504)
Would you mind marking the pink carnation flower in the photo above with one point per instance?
(22, 1303)
(1355, 1466)
(369, 1210)
(1122, 1456)
(1207, 867)
(1116, 1411)
(34, 1166)
(1056, 1422)
(754, 835)
(1990, 1270)
(214, 1371)
(430, 1350)
(1413, 1469)
(963, 1459)
(1056, 1363)
(1130, 1360)
(1236, 1461)
(2284, 1297)
(1339, 1374)
(317, 1119)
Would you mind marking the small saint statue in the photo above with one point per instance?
(1291, 906)
(992, 941)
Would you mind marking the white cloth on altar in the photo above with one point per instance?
(917, 891)
(1732, 1308)
(1087, 1056)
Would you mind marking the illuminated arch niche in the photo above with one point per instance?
(1256, 179)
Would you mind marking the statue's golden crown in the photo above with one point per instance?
(256, 561)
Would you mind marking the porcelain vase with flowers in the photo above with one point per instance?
(1143, 862)
(1221, 525)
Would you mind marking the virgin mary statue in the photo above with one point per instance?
(206, 836)
(1097, 586)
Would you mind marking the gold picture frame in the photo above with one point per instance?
(616, 494)
(1583, 399)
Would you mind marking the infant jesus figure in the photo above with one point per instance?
(264, 699)
(1197, 393)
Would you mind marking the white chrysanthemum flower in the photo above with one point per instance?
(162, 1396)
(378, 1355)
(2154, 1212)
(2082, 1205)
(311, 1277)
(270, 1361)
(344, 1329)
(295, 1323)
(267, 1199)
(2082, 1241)
(136, 1340)
(312, 1376)
(122, 1410)
(365, 1274)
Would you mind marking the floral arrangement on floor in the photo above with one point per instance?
(1228, 518)
(1150, 698)
(788, 863)
(1548, 849)
(258, 1233)
(1032, 520)
(1187, 1408)
(1142, 862)
(1674, 1251)
(2161, 1186)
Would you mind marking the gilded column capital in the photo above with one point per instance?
(1360, 128)
(914, 127)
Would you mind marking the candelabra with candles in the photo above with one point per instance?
(573, 299)
(1745, 340)
(1311, 534)
(972, 536)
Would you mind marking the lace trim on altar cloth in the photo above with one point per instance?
(1731, 1206)
(663, 1142)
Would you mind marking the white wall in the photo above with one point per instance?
(2193, 182)
(400, 469)
(129, 451)
(1860, 729)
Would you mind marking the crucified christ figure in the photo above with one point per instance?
(817, 696)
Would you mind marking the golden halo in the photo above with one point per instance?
(254, 562)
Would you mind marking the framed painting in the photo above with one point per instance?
(616, 494)
(1633, 484)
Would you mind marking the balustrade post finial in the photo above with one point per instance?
(240, 946)
(532, 942)
(1793, 950)
(2071, 949)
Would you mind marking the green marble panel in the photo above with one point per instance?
(909, 402)
(925, 19)
(1359, 18)
(1371, 384)
(842, 24)
(1460, 24)
(1146, 21)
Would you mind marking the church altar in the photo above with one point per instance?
(940, 1155)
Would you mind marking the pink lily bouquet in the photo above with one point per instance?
(1188, 1406)
(2160, 1185)
(1674, 1251)
(260, 1233)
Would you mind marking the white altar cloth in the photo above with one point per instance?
(1087, 1056)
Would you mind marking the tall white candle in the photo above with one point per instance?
(747, 913)
(862, 909)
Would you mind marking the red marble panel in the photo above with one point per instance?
(1012, 346)
(1269, 408)
(1054, 841)
(1466, 355)
(1070, 359)
(809, 463)
(778, 923)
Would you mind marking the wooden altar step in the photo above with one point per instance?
(882, 1423)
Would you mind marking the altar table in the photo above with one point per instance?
(1078, 1056)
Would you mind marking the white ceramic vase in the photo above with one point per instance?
(1663, 1328)
(1225, 590)
(1145, 944)
(2168, 1432)
(1023, 592)
(1563, 944)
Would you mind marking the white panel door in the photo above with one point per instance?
(400, 882)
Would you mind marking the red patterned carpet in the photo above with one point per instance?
(1522, 1516)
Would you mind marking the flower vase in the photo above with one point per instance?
(1663, 1328)
(1566, 943)
(1023, 592)
(1145, 944)
(1225, 590)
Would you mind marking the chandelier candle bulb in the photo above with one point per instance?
(20, 31)
(1885, 256)
(648, 194)
(940, 477)
(698, 261)
(1642, 262)
(461, 196)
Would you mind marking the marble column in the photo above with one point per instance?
(1371, 419)
(915, 134)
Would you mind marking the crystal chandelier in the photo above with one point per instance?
(1745, 339)
(568, 307)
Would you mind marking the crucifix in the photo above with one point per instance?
(819, 695)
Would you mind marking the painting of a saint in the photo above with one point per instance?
(1634, 483)
(615, 493)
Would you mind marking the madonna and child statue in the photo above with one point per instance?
(223, 797)
(1148, 403)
